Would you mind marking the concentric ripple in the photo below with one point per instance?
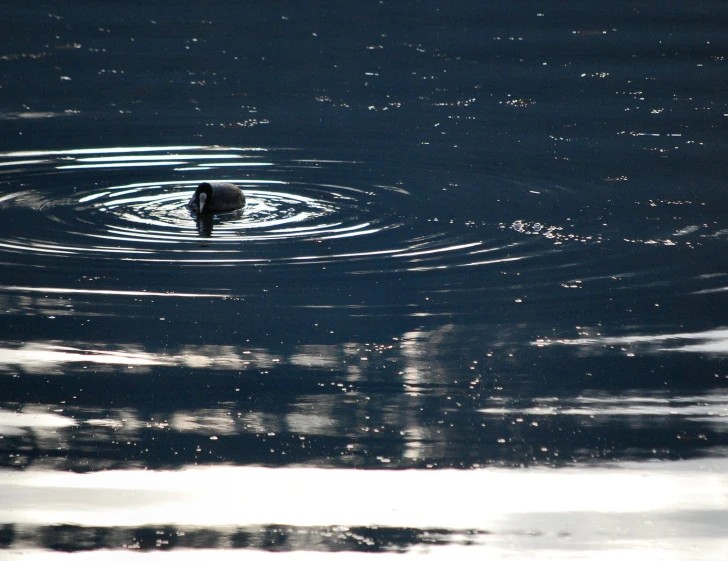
(129, 204)
(158, 212)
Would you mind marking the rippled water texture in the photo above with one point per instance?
(149, 221)
(473, 306)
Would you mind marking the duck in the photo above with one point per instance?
(218, 197)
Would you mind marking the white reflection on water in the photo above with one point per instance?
(58, 290)
(160, 158)
(676, 550)
(714, 407)
(124, 165)
(711, 341)
(662, 506)
(120, 150)
(32, 417)
(44, 357)
(21, 163)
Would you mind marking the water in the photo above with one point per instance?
(472, 307)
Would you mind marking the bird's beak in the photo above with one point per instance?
(203, 199)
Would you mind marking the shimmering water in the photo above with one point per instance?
(471, 308)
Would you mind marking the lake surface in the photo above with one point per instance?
(474, 306)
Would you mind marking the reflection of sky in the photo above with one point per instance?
(45, 357)
(14, 423)
(711, 341)
(713, 406)
(710, 550)
(421, 376)
(654, 505)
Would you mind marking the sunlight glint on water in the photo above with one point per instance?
(473, 307)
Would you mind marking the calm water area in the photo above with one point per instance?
(474, 306)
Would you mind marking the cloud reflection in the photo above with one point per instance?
(710, 406)
(60, 290)
(42, 358)
(418, 400)
(629, 506)
(32, 417)
(46, 357)
(710, 341)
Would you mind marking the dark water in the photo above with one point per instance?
(474, 305)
